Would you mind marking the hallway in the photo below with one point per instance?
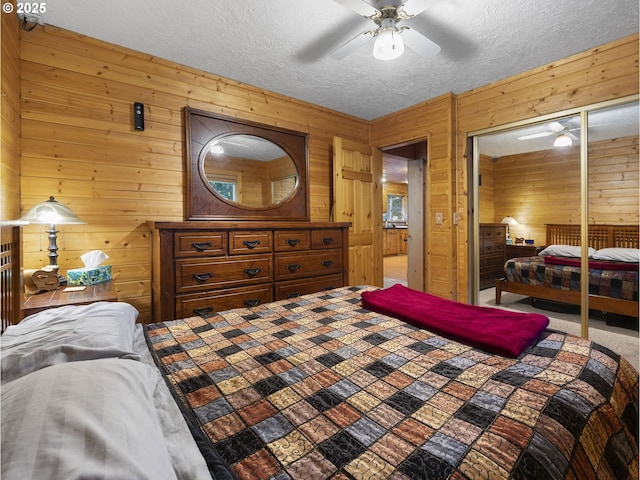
(395, 270)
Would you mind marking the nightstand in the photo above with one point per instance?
(100, 292)
(514, 251)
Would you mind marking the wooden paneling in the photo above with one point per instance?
(9, 118)
(544, 187)
(600, 74)
(70, 121)
(434, 121)
(80, 145)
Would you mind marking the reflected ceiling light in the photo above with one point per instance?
(563, 140)
(389, 43)
(216, 149)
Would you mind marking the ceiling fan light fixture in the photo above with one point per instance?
(563, 140)
(216, 149)
(388, 44)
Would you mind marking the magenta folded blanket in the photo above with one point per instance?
(595, 264)
(490, 329)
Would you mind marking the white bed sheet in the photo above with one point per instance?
(185, 455)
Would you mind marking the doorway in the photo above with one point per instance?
(403, 173)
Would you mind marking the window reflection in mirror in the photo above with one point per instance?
(248, 170)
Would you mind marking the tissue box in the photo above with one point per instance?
(89, 276)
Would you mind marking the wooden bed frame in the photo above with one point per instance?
(10, 277)
(600, 236)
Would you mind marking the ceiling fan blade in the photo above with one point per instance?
(535, 135)
(352, 45)
(420, 44)
(416, 7)
(556, 127)
(359, 6)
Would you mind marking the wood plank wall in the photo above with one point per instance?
(9, 118)
(434, 122)
(79, 144)
(600, 74)
(544, 187)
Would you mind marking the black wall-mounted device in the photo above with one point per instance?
(138, 116)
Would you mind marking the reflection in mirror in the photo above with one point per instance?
(248, 170)
(533, 173)
(243, 170)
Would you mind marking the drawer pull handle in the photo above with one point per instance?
(292, 242)
(293, 267)
(201, 246)
(202, 277)
(252, 272)
(293, 294)
(251, 244)
(327, 240)
(201, 312)
(252, 302)
(327, 263)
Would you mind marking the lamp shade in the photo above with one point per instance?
(51, 212)
(509, 221)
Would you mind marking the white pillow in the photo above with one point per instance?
(631, 255)
(67, 334)
(565, 251)
(90, 419)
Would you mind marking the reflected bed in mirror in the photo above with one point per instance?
(243, 170)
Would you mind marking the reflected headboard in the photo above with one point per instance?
(600, 236)
(10, 279)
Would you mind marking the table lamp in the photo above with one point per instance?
(52, 213)
(509, 221)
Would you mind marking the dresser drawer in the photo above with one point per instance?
(200, 244)
(250, 242)
(295, 288)
(217, 301)
(492, 262)
(307, 264)
(326, 239)
(494, 246)
(291, 240)
(498, 231)
(204, 274)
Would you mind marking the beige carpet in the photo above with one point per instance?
(624, 341)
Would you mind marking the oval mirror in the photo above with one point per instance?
(242, 170)
(248, 170)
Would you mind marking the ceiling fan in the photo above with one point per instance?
(563, 134)
(389, 37)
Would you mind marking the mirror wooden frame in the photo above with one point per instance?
(201, 203)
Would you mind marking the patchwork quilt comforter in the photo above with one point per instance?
(319, 387)
(610, 282)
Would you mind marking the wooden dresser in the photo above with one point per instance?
(204, 267)
(493, 242)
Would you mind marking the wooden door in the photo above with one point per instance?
(416, 246)
(357, 198)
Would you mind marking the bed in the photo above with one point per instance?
(343, 384)
(611, 288)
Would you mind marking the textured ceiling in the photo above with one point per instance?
(284, 45)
